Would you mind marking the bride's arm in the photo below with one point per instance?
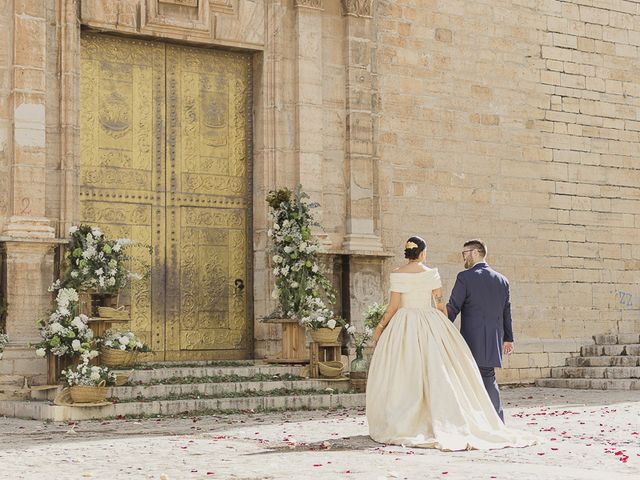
(394, 303)
(437, 296)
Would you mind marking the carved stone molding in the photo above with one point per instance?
(357, 8)
(315, 4)
(199, 27)
(185, 3)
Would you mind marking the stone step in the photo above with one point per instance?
(47, 411)
(595, 372)
(137, 375)
(632, 349)
(128, 393)
(590, 383)
(621, 338)
(604, 361)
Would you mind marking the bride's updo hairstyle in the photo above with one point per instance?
(414, 247)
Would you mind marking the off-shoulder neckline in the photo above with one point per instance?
(412, 273)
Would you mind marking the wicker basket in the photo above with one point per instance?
(112, 357)
(330, 369)
(86, 394)
(325, 335)
(119, 313)
(122, 379)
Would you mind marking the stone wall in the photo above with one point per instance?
(517, 122)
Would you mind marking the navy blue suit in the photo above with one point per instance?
(482, 296)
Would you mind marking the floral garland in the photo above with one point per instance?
(302, 290)
(64, 332)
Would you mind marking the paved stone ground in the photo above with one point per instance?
(591, 435)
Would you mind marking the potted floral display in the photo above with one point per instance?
(88, 383)
(120, 349)
(302, 290)
(65, 333)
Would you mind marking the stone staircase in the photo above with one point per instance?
(612, 363)
(197, 388)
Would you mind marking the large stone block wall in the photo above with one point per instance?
(517, 122)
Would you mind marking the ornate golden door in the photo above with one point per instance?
(164, 160)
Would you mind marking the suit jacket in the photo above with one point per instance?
(482, 296)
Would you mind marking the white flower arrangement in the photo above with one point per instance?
(65, 333)
(302, 290)
(88, 375)
(95, 262)
(359, 338)
(4, 339)
(373, 314)
(127, 342)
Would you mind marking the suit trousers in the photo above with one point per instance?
(491, 385)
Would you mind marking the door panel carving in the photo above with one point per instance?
(164, 155)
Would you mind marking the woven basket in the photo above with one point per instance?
(330, 369)
(119, 313)
(121, 379)
(86, 394)
(325, 335)
(113, 357)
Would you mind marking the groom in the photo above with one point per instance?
(482, 295)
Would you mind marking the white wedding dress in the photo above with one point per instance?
(424, 388)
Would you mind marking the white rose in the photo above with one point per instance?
(41, 352)
(95, 376)
(294, 285)
(73, 229)
(75, 345)
(331, 324)
(288, 249)
(270, 233)
(96, 232)
(124, 340)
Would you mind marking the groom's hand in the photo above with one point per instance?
(507, 348)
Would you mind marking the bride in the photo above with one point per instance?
(424, 387)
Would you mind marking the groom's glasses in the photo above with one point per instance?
(467, 251)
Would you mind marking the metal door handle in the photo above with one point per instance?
(239, 284)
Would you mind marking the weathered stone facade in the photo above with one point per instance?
(515, 121)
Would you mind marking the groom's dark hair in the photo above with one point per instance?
(478, 245)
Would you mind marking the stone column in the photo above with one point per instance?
(309, 108)
(27, 235)
(361, 155)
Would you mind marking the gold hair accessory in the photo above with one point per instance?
(410, 245)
